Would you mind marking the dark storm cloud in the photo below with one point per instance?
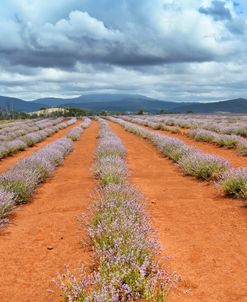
(217, 10)
(83, 38)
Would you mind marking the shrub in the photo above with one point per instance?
(202, 135)
(111, 170)
(20, 182)
(234, 183)
(242, 147)
(75, 133)
(203, 166)
(227, 141)
(6, 204)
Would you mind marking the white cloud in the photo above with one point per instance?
(162, 48)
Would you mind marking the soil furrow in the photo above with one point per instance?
(204, 233)
(8, 162)
(45, 234)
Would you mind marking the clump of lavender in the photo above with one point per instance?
(222, 140)
(234, 183)
(174, 130)
(202, 135)
(75, 133)
(110, 166)
(3, 151)
(6, 205)
(203, 166)
(227, 141)
(86, 123)
(111, 169)
(242, 147)
(16, 145)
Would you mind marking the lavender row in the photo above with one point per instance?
(19, 182)
(191, 160)
(30, 139)
(23, 128)
(75, 133)
(121, 237)
(219, 124)
(221, 140)
(232, 182)
(229, 141)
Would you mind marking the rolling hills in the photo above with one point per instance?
(123, 103)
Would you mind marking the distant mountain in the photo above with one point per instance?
(51, 102)
(15, 104)
(112, 102)
(123, 103)
(90, 98)
(235, 106)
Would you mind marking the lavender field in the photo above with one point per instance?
(112, 189)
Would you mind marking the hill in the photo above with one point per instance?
(234, 106)
(123, 103)
(18, 105)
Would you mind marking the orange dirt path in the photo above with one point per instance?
(45, 234)
(230, 154)
(204, 233)
(8, 162)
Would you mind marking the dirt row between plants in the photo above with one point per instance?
(230, 154)
(8, 162)
(204, 233)
(45, 234)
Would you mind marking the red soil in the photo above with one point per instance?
(45, 234)
(230, 154)
(7, 162)
(204, 233)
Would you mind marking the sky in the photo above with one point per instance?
(176, 50)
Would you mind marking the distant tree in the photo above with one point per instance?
(103, 113)
(162, 111)
(140, 112)
(74, 111)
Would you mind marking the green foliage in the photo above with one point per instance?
(19, 188)
(234, 186)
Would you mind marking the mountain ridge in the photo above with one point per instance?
(123, 103)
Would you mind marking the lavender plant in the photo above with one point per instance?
(234, 183)
(6, 205)
(75, 133)
(86, 123)
(203, 166)
(242, 147)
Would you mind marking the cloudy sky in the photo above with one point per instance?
(174, 50)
